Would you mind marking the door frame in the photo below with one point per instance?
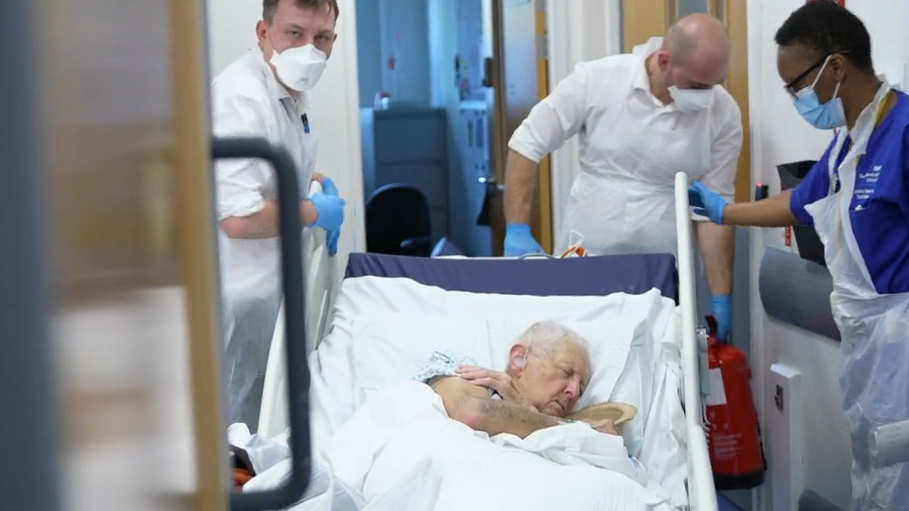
(496, 124)
(734, 14)
(643, 19)
(541, 221)
(194, 206)
(541, 213)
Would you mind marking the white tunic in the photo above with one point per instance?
(248, 101)
(631, 147)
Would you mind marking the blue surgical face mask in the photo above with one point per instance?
(825, 116)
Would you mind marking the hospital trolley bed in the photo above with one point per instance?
(637, 311)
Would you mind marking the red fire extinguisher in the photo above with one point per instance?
(736, 451)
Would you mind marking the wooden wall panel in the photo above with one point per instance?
(643, 19)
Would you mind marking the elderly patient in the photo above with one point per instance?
(548, 369)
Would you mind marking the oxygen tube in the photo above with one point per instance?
(575, 245)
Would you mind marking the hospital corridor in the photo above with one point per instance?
(433, 255)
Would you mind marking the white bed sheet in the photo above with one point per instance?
(402, 438)
(365, 303)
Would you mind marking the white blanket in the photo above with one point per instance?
(401, 451)
(578, 445)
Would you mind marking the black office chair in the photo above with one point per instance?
(398, 222)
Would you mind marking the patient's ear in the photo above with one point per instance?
(517, 358)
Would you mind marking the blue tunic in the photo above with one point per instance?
(879, 209)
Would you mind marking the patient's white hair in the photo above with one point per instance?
(542, 336)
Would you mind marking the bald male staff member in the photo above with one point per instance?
(641, 118)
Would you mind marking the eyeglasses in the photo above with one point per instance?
(793, 87)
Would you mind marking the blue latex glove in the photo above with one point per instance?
(330, 210)
(706, 202)
(519, 241)
(329, 188)
(332, 241)
(721, 308)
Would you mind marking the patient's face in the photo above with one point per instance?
(553, 381)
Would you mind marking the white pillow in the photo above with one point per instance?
(363, 302)
(377, 295)
(392, 348)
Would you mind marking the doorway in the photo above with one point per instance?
(440, 94)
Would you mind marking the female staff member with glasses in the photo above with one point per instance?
(857, 199)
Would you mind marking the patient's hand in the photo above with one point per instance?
(604, 426)
(495, 380)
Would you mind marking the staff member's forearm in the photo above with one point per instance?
(772, 212)
(264, 223)
(520, 185)
(717, 246)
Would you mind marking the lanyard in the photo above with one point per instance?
(877, 122)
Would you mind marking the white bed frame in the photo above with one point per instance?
(701, 490)
(321, 287)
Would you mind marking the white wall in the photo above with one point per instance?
(369, 51)
(393, 29)
(443, 46)
(449, 21)
(779, 135)
(336, 104)
(231, 30)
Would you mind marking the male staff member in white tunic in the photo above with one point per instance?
(265, 94)
(641, 118)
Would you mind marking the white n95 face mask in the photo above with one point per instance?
(299, 68)
(691, 100)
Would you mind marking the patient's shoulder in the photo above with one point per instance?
(442, 363)
(439, 373)
(437, 380)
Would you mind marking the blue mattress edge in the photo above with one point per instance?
(580, 276)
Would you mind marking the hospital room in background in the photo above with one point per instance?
(439, 100)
